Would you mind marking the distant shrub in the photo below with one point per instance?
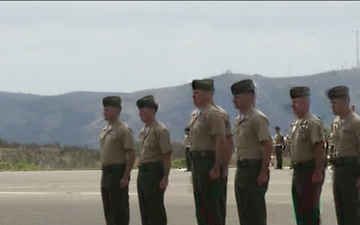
(32, 156)
(179, 163)
(5, 166)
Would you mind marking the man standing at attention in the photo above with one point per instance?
(187, 149)
(154, 164)
(117, 159)
(346, 163)
(279, 147)
(307, 158)
(332, 137)
(229, 152)
(208, 151)
(254, 149)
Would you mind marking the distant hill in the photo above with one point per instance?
(76, 118)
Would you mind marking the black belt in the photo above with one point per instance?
(150, 166)
(249, 163)
(303, 165)
(343, 161)
(112, 167)
(205, 154)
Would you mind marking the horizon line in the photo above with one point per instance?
(227, 72)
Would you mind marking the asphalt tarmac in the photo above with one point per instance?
(73, 198)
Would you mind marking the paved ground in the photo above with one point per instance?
(73, 198)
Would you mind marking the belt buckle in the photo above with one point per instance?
(339, 162)
(143, 168)
(296, 166)
(106, 168)
(342, 162)
(243, 163)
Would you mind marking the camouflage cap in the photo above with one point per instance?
(204, 85)
(147, 102)
(298, 92)
(242, 86)
(337, 92)
(114, 101)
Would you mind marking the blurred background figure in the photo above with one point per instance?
(279, 147)
(187, 149)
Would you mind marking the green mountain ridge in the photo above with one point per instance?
(76, 118)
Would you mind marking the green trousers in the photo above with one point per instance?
(115, 199)
(250, 197)
(346, 196)
(151, 197)
(209, 195)
(223, 199)
(306, 196)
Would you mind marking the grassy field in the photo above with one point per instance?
(16, 157)
(7, 166)
(32, 157)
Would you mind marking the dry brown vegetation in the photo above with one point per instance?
(15, 156)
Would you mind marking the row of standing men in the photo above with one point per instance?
(280, 143)
(211, 140)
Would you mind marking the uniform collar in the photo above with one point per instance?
(351, 113)
(306, 117)
(200, 110)
(112, 126)
(347, 118)
(247, 114)
(153, 124)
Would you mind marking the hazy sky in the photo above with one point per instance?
(50, 48)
